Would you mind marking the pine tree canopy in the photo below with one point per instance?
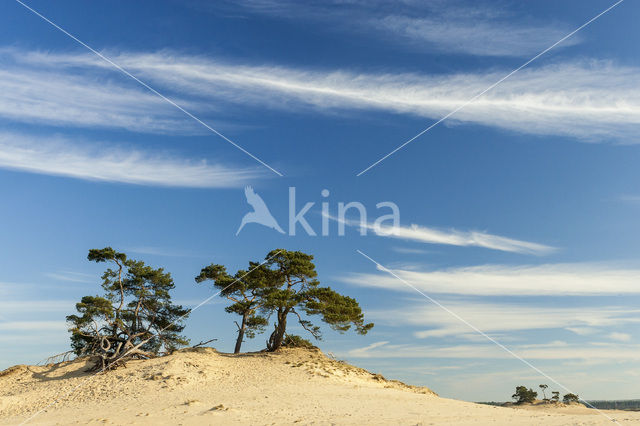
(135, 315)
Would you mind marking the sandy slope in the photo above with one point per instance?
(202, 386)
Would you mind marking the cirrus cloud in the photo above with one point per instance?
(502, 280)
(107, 163)
(588, 100)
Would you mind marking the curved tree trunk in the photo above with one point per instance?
(241, 329)
(277, 337)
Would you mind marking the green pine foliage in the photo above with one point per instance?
(296, 291)
(134, 318)
(283, 285)
(245, 289)
(523, 395)
(570, 397)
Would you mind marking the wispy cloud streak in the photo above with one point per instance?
(455, 237)
(454, 28)
(472, 36)
(452, 237)
(592, 101)
(519, 280)
(557, 351)
(100, 162)
(50, 96)
(505, 318)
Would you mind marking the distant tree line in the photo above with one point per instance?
(135, 317)
(628, 404)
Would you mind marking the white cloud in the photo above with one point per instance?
(469, 35)
(455, 237)
(427, 26)
(528, 280)
(630, 198)
(622, 337)
(27, 326)
(582, 331)
(617, 352)
(33, 333)
(12, 308)
(588, 100)
(64, 98)
(375, 345)
(409, 250)
(494, 318)
(61, 157)
(71, 276)
(164, 252)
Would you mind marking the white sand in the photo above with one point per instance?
(202, 386)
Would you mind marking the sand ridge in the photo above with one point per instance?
(292, 386)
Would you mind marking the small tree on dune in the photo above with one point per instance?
(524, 395)
(295, 290)
(245, 290)
(556, 396)
(544, 387)
(135, 318)
(570, 397)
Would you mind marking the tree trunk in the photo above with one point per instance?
(241, 329)
(277, 337)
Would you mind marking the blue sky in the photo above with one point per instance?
(519, 213)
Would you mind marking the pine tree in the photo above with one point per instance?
(135, 317)
(523, 395)
(245, 290)
(570, 397)
(544, 395)
(295, 290)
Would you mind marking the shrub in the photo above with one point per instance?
(293, 341)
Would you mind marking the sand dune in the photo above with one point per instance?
(294, 386)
